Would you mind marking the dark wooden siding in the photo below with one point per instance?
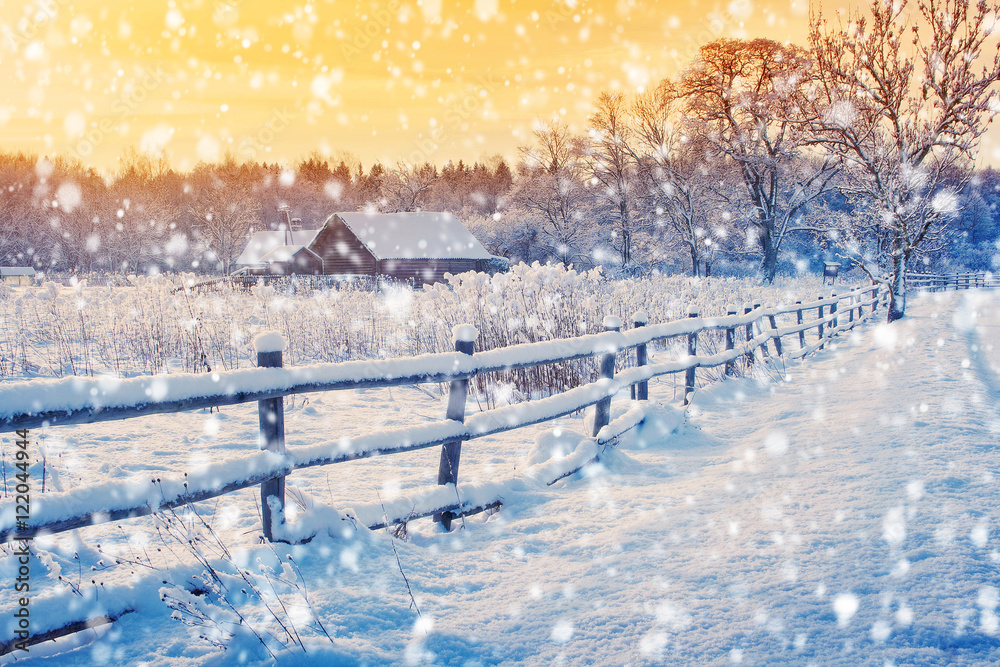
(341, 250)
(302, 263)
(426, 270)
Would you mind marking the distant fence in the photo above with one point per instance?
(245, 281)
(939, 282)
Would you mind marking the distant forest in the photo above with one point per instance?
(760, 158)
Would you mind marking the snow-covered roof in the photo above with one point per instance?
(16, 271)
(414, 235)
(262, 243)
(282, 253)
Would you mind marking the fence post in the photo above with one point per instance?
(833, 311)
(640, 391)
(451, 451)
(730, 341)
(819, 329)
(749, 337)
(602, 411)
(692, 351)
(271, 417)
(850, 309)
(777, 339)
(798, 319)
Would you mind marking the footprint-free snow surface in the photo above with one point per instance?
(841, 510)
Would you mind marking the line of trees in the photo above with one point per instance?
(764, 155)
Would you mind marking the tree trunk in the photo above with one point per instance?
(769, 261)
(897, 288)
(694, 262)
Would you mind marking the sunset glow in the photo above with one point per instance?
(383, 81)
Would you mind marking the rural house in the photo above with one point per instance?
(17, 275)
(408, 246)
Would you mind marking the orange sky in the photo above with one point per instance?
(387, 80)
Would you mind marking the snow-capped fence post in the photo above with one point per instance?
(850, 309)
(640, 390)
(758, 326)
(819, 329)
(692, 351)
(833, 311)
(777, 339)
(798, 319)
(730, 341)
(749, 337)
(602, 411)
(271, 416)
(451, 451)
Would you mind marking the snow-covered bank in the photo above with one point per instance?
(841, 510)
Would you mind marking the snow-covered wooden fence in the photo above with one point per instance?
(48, 403)
(939, 282)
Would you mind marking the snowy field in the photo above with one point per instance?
(841, 510)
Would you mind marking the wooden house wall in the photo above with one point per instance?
(425, 270)
(302, 263)
(342, 251)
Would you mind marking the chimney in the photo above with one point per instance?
(296, 224)
(287, 226)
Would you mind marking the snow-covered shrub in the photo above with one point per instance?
(154, 327)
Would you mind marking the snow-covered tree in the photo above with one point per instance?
(907, 99)
(226, 208)
(405, 188)
(674, 171)
(550, 184)
(613, 171)
(750, 99)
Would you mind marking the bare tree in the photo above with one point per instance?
(905, 121)
(550, 184)
(674, 169)
(610, 164)
(405, 188)
(226, 208)
(136, 217)
(750, 99)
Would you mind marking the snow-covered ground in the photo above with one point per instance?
(841, 510)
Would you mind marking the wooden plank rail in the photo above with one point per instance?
(939, 282)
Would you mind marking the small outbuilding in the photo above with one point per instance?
(407, 246)
(17, 275)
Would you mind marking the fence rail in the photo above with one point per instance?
(939, 282)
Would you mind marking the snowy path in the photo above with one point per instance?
(843, 515)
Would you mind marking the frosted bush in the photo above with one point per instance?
(154, 327)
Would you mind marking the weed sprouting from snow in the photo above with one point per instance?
(268, 604)
(399, 563)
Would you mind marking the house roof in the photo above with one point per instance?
(262, 243)
(282, 253)
(414, 235)
(16, 271)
